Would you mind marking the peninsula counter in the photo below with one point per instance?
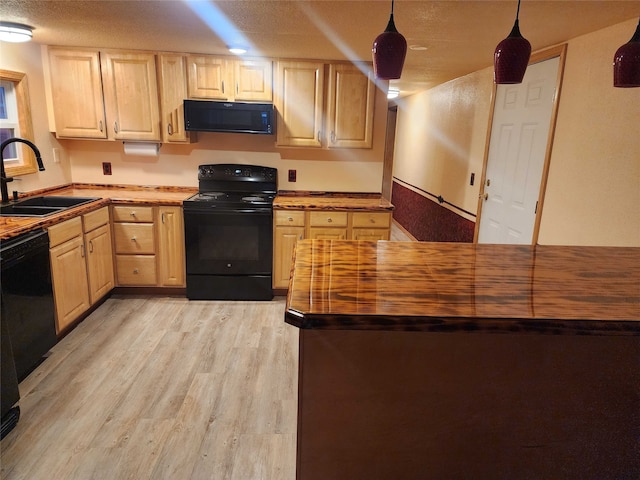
(441, 360)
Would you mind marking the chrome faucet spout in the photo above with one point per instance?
(3, 176)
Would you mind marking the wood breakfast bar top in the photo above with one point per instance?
(450, 287)
(451, 360)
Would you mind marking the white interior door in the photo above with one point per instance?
(517, 150)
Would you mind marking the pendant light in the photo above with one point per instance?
(389, 50)
(626, 63)
(511, 57)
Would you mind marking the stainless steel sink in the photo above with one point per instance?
(42, 206)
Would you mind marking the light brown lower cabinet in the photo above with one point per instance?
(149, 245)
(293, 225)
(81, 264)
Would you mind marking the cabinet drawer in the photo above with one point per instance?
(136, 269)
(124, 213)
(292, 218)
(371, 219)
(328, 219)
(95, 219)
(64, 231)
(134, 237)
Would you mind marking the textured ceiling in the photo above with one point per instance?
(459, 35)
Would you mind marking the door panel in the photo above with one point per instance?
(517, 153)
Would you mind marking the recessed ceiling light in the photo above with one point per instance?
(417, 47)
(14, 32)
(236, 50)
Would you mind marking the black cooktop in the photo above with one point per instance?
(233, 198)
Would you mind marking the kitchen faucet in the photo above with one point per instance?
(3, 176)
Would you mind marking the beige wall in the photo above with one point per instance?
(25, 58)
(344, 170)
(593, 191)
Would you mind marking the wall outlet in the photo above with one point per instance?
(292, 175)
(56, 155)
(106, 168)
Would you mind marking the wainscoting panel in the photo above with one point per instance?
(426, 220)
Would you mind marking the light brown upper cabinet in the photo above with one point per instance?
(172, 78)
(131, 95)
(218, 78)
(111, 94)
(76, 93)
(349, 107)
(300, 95)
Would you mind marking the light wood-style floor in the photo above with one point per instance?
(162, 388)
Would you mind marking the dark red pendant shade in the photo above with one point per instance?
(511, 57)
(389, 50)
(626, 63)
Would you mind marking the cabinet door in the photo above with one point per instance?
(69, 276)
(285, 239)
(349, 107)
(209, 78)
(253, 80)
(171, 255)
(173, 91)
(327, 233)
(299, 95)
(76, 93)
(131, 96)
(370, 234)
(99, 262)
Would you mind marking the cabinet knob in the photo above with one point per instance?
(132, 213)
(372, 220)
(135, 271)
(329, 220)
(133, 239)
(290, 219)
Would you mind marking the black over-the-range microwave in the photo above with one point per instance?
(232, 117)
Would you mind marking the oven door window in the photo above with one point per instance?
(236, 243)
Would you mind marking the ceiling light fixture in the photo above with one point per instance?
(511, 57)
(389, 50)
(393, 93)
(15, 32)
(236, 50)
(626, 63)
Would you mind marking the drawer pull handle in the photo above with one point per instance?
(115, 127)
(372, 220)
(329, 220)
(290, 219)
(133, 239)
(90, 246)
(133, 213)
(135, 271)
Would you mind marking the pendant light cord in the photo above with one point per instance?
(392, 6)
(517, 11)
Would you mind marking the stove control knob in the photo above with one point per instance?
(228, 265)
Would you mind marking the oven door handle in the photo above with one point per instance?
(210, 211)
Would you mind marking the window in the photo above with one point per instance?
(15, 121)
(9, 125)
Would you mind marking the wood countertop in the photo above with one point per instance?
(460, 287)
(347, 202)
(13, 226)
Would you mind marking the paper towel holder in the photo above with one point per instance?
(145, 149)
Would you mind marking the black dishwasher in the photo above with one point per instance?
(28, 312)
